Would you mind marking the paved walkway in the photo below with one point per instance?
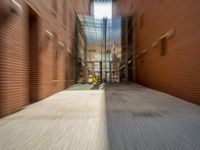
(121, 117)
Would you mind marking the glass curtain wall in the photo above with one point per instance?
(104, 49)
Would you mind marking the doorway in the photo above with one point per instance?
(33, 32)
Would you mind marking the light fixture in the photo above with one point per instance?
(170, 33)
(69, 51)
(144, 51)
(130, 61)
(16, 7)
(141, 53)
(48, 34)
(61, 45)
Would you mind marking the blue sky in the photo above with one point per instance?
(116, 28)
(104, 10)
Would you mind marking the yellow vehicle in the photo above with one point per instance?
(95, 79)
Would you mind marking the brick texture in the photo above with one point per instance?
(177, 71)
(31, 72)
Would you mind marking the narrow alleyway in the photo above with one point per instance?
(119, 117)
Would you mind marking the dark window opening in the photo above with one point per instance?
(163, 46)
(33, 56)
(55, 58)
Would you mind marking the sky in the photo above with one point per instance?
(102, 10)
(116, 28)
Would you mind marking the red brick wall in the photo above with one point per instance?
(177, 72)
(14, 51)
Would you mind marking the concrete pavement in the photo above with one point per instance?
(120, 117)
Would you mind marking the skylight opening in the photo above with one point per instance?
(103, 10)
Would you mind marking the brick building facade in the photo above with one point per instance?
(36, 49)
(167, 44)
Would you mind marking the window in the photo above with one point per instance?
(163, 46)
(55, 57)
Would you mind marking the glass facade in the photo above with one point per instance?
(102, 49)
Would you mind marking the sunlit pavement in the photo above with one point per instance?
(120, 117)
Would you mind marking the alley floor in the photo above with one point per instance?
(117, 117)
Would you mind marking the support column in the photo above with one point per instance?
(105, 38)
(134, 49)
(101, 79)
(110, 71)
(126, 48)
(85, 63)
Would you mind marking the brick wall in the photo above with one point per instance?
(51, 67)
(174, 66)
